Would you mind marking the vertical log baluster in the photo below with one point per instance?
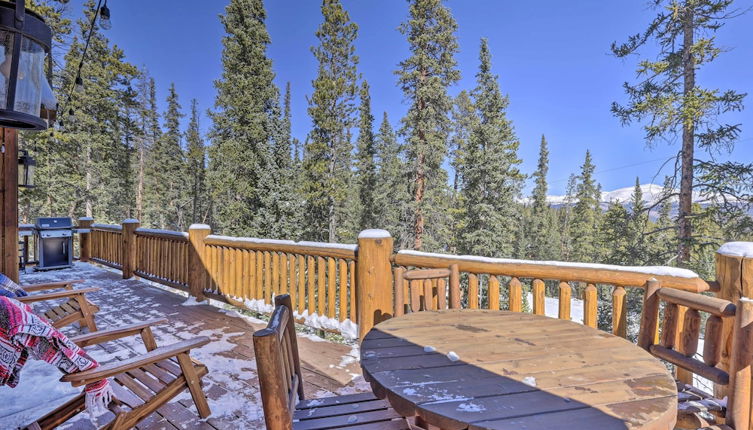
(493, 292)
(342, 273)
(321, 286)
(516, 295)
(472, 291)
(353, 290)
(331, 288)
(590, 305)
(539, 300)
(301, 284)
(619, 312)
(311, 278)
(565, 293)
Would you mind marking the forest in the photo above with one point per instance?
(113, 155)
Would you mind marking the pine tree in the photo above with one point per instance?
(491, 178)
(463, 121)
(328, 154)
(92, 166)
(566, 218)
(424, 78)
(196, 164)
(669, 100)
(391, 196)
(366, 168)
(586, 215)
(241, 163)
(543, 231)
(166, 190)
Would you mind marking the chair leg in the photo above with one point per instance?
(192, 379)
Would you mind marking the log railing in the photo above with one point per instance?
(333, 286)
(319, 277)
(487, 280)
(162, 256)
(105, 241)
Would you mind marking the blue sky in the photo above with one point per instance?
(552, 58)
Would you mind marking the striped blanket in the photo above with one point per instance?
(24, 334)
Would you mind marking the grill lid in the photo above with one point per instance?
(54, 223)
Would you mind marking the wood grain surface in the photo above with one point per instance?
(482, 369)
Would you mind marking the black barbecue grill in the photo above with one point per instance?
(54, 243)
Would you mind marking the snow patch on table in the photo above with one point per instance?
(649, 270)
(737, 249)
(471, 407)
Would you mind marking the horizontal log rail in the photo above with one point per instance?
(107, 227)
(566, 272)
(162, 234)
(316, 249)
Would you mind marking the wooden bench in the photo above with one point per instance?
(677, 344)
(141, 384)
(281, 383)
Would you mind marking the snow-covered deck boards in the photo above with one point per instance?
(232, 385)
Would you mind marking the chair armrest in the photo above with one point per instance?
(56, 295)
(101, 336)
(112, 369)
(51, 285)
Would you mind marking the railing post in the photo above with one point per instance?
(198, 276)
(374, 279)
(84, 239)
(128, 265)
(734, 273)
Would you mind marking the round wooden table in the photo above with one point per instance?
(480, 369)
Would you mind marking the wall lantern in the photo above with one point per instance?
(26, 98)
(26, 166)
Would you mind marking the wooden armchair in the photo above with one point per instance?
(141, 384)
(678, 346)
(281, 383)
(76, 309)
(426, 289)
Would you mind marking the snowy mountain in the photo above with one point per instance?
(651, 194)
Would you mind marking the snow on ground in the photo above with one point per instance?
(552, 307)
(230, 372)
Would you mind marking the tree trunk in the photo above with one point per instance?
(418, 199)
(88, 203)
(688, 145)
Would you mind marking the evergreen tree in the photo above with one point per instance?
(586, 215)
(241, 164)
(391, 196)
(424, 78)
(543, 231)
(566, 218)
(328, 154)
(166, 191)
(668, 98)
(463, 120)
(491, 178)
(366, 168)
(92, 167)
(196, 160)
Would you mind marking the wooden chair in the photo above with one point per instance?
(76, 309)
(281, 384)
(141, 384)
(426, 289)
(678, 346)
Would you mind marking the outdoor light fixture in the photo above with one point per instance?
(26, 98)
(26, 170)
(79, 85)
(104, 17)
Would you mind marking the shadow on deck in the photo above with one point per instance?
(231, 385)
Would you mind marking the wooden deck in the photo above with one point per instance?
(232, 385)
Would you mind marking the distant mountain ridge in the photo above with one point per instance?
(651, 194)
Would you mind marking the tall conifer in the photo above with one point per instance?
(366, 168)
(424, 78)
(241, 163)
(196, 163)
(328, 153)
(586, 214)
(491, 178)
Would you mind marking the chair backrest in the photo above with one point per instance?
(426, 289)
(278, 365)
(678, 343)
